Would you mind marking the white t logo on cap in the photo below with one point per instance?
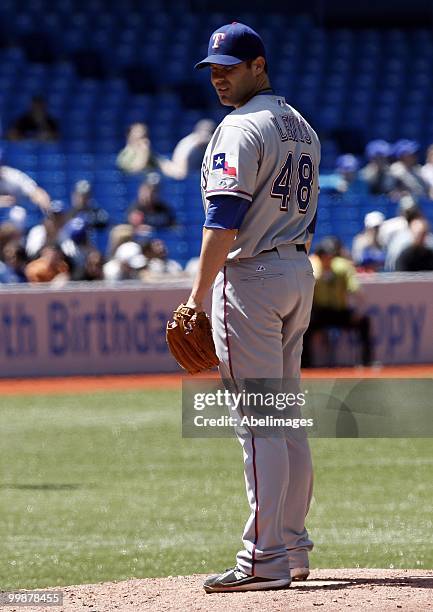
(217, 37)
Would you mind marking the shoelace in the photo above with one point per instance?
(237, 572)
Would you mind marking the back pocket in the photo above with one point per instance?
(261, 277)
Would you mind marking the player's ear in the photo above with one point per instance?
(259, 65)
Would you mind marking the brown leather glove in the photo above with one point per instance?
(189, 338)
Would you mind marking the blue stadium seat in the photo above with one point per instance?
(27, 162)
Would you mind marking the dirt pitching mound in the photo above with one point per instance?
(360, 590)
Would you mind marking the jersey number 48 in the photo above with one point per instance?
(282, 185)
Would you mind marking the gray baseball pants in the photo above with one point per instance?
(260, 310)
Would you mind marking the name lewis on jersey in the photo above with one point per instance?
(219, 162)
(290, 127)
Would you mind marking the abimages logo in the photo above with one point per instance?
(217, 37)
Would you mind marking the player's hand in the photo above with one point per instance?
(192, 303)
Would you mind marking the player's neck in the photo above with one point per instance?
(262, 86)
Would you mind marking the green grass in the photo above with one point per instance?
(102, 487)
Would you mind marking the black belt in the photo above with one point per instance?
(299, 247)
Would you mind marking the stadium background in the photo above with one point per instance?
(98, 485)
(103, 65)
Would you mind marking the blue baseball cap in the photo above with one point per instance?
(405, 147)
(378, 148)
(232, 44)
(347, 163)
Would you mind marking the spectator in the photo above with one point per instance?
(93, 266)
(15, 185)
(85, 207)
(336, 285)
(75, 244)
(148, 209)
(417, 256)
(50, 266)
(401, 241)
(137, 154)
(397, 236)
(126, 263)
(427, 171)
(338, 247)
(377, 171)
(158, 263)
(372, 261)
(118, 235)
(407, 209)
(48, 231)
(406, 170)
(35, 124)
(140, 231)
(366, 249)
(188, 154)
(346, 177)
(347, 168)
(12, 268)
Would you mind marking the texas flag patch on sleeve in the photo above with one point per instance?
(221, 161)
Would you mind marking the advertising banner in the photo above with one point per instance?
(98, 329)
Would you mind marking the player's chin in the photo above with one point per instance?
(225, 101)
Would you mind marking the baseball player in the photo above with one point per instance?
(260, 189)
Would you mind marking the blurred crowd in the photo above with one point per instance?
(393, 170)
(63, 246)
(403, 242)
(138, 154)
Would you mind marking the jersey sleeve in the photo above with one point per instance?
(233, 163)
(226, 212)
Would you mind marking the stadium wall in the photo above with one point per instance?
(94, 329)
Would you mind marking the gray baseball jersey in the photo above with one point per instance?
(266, 153)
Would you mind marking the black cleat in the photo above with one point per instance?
(235, 579)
